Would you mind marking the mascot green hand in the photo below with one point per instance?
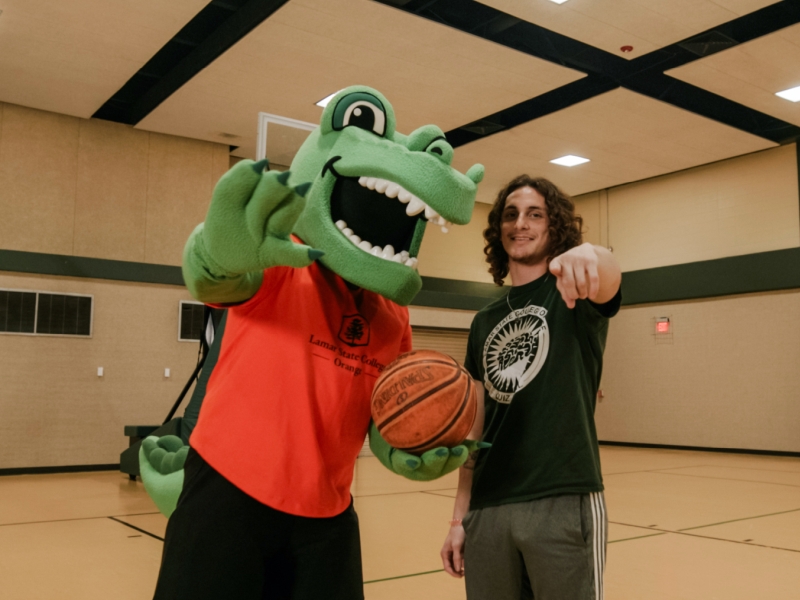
(161, 463)
(359, 196)
(246, 230)
(431, 465)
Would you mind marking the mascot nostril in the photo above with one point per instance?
(315, 267)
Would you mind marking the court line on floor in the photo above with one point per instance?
(783, 512)
(728, 479)
(401, 493)
(404, 576)
(709, 537)
(653, 470)
(638, 537)
(723, 466)
(139, 529)
(77, 519)
(440, 495)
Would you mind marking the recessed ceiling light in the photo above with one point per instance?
(792, 94)
(569, 160)
(324, 102)
(558, 1)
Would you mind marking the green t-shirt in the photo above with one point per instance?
(540, 364)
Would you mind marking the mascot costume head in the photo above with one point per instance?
(381, 188)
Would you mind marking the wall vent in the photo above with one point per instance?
(17, 311)
(191, 321)
(708, 43)
(45, 313)
(482, 127)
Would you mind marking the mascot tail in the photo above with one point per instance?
(161, 463)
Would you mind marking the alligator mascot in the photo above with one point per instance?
(315, 266)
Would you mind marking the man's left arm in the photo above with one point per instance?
(586, 272)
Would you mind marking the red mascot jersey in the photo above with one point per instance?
(288, 403)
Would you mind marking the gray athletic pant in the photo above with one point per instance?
(547, 549)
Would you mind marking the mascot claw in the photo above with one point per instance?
(161, 463)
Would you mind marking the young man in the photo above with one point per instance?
(529, 518)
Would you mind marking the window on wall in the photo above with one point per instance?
(191, 323)
(44, 313)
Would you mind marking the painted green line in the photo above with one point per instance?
(743, 519)
(404, 576)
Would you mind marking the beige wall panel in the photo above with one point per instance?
(588, 207)
(38, 164)
(738, 206)
(457, 254)
(430, 316)
(55, 410)
(181, 177)
(727, 378)
(112, 191)
(220, 160)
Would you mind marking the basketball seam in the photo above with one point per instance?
(453, 421)
(443, 385)
(427, 361)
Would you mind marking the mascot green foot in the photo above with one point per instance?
(161, 463)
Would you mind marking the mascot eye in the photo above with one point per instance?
(441, 149)
(360, 110)
(366, 116)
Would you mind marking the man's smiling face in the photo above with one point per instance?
(524, 227)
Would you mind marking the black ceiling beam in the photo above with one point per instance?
(200, 42)
(528, 110)
(738, 31)
(607, 71)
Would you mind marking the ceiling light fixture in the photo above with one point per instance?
(324, 102)
(792, 94)
(558, 1)
(569, 160)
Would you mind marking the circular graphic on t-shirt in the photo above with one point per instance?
(514, 352)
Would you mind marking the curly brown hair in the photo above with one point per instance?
(565, 228)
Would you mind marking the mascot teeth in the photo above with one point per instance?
(386, 253)
(415, 206)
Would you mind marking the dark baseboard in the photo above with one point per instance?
(704, 449)
(64, 469)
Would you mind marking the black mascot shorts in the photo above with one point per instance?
(221, 543)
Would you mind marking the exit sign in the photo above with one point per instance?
(662, 325)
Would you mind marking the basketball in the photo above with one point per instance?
(424, 400)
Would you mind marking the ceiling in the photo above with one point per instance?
(514, 83)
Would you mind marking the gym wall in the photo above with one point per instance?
(98, 189)
(727, 376)
(457, 254)
(91, 188)
(55, 410)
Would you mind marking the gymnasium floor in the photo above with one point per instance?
(684, 525)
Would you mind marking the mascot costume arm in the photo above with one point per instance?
(350, 160)
(247, 230)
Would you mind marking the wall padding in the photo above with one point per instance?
(727, 377)
(86, 187)
(55, 410)
(739, 206)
